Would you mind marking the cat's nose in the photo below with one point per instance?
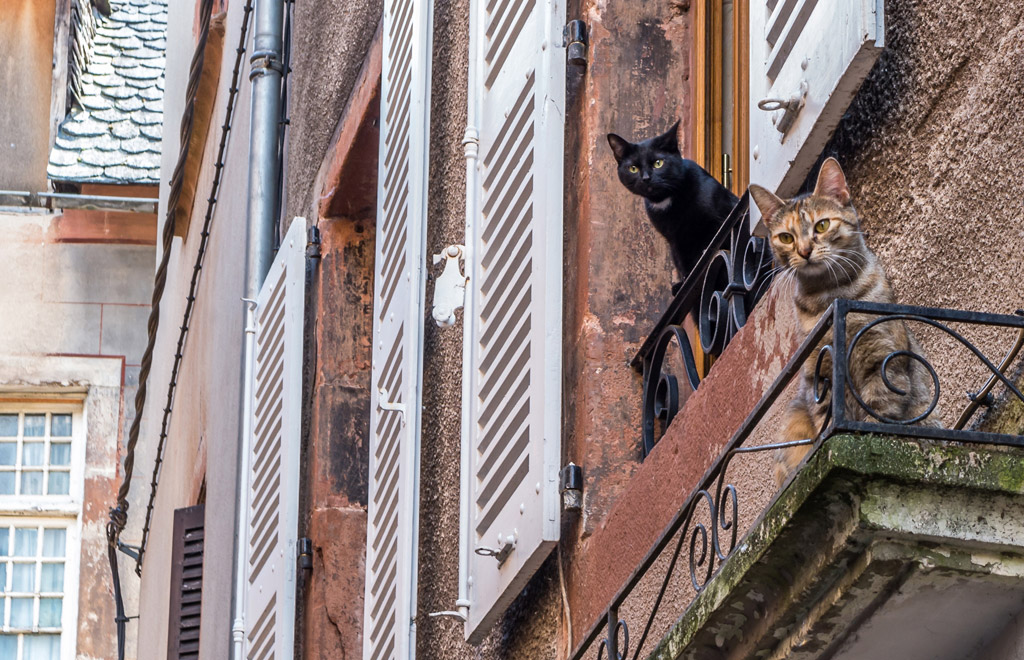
(804, 251)
(646, 176)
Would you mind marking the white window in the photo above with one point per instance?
(42, 447)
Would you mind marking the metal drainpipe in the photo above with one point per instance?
(264, 167)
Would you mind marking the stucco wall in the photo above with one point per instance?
(329, 40)
(67, 307)
(931, 146)
(204, 427)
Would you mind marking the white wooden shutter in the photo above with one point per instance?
(273, 454)
(513, 365)
(398, 315)
(825, 48)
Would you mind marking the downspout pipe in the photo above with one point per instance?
(265, 74)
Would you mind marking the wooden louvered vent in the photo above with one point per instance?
(398, 303)
(517, 75)
(186, 583)
(810, 56)
(275, 444)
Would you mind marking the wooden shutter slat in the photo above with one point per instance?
(273, 453)
(186, 582)
(513, 328)
(397, 332)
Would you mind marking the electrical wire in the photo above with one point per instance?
(119, 513)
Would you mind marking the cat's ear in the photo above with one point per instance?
(668, 141)
(832, 182)
(768, 202)
(620, 146)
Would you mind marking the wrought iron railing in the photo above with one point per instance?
(718, 296)
(707, 525)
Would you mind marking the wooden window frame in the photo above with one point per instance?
(707, 64)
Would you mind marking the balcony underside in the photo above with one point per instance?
(880, 547)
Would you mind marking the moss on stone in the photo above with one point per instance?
(846, 476)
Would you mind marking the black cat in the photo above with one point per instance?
(684, 203)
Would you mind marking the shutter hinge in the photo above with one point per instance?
(571, 487)
(450, 287)
(384, 402)
(574, 39)
(305, 553)
(313, 243)
(130, 550)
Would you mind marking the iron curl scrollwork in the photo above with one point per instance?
(705, 563)
(661, 390)
(611, 644)
(719, 295)
(910, 355)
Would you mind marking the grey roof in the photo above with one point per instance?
(113, 133)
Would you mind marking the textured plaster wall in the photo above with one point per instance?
(204, 428)
(931, 147)
(329, 40)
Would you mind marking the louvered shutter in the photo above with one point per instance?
(273, 454)
(398, 315)
(820, 51)
(186, 583)
(514, 299)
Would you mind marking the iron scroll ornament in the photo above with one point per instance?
(719, 294)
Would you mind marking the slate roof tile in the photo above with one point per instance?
(115, 136)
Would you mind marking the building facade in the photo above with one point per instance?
(81, 129)
(380, 435)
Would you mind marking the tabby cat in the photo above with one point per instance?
(684, 203)
(817, 241)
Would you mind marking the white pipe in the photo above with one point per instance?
(263, 187)
(242, 514)
(471, 146)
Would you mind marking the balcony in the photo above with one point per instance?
(891, 540)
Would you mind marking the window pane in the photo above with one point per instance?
(21, 613)
(59, 483)
(9, 426)
(32, 453)
(52, 579)
(4, 531)
(53, 542)
(35, 426)
(25, 542)
(8, 453)
(8, 643)
(60, 426)
(60, 453)
(31, 483)
(43, 647)
(49, 612)
(3, 582)
(24, 578)
(6, 483)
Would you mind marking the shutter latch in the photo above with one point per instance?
(506, 544)
(450, 288)
(790, 108)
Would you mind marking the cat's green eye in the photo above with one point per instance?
(634, 169)
(658, 163)
(785, 238)
(822, 226)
